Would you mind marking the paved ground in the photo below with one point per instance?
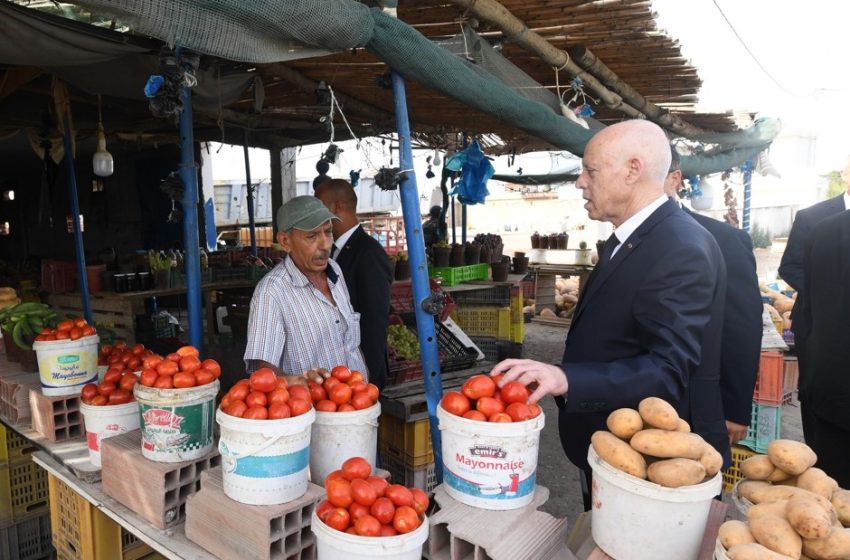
(555, 471)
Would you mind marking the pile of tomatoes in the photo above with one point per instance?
(69, 329)
(178, 370)
(116, 388)
(123, 356)
(343, 391)
(265, 396)
(369, 506)
(481, 399)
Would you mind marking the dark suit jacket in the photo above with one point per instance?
(649, 323)
(826, 306)
(791, 268)
(367, 274)
(742, 329)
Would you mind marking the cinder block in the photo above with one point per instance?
(460, 532)
(56, 418)
(15, 396)
(257, 532)
(155, 491)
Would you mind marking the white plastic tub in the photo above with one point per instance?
(64, 366)
(336, 545)
(641, 520)
(490, 465)
(338, 436)
(720, 551)
(107, 421)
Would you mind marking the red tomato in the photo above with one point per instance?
(361, 400)
(183, 380)
(164, 382)
(239, 391)
(225, 401)
(489, 406)
(134, 364)
(148, 377)
(535, 410)
(62, 335)
(478, 386)
(79, 322)
(187, 351)
(368, 526)
(325, 406)
(356, 467)
(278, 411)
(128, 381)
(65, 325)
(99, 400)
(357, 511)
(120, 396)
(514, 392)
(105, 350)
(120, 345)
(379, 484)
(256, 413)
(212, 366)
(420, 501)
(357, 386)
(281, 382)
(362, 492)
(373, 392)
(455, 403)
(501, 417)
(342, 373)
(106, 388)
(356, 377)
(138, 349)
(236, 408)
(299, 406)
(89, 391)
(167, 367)
(383, 510)
(340, 394)
(278, 395)
(345, 407)
(299, 392)
(263, 380)
(255, 398)
(330, 383)
(519, 412)
(203, 377)
(475, 415)
(189, 363)
(338, 519)
(337, 474)
(317, 392)
(497, 378)
(405, 519)
(112, 375)
(75, 333)
(388, 531)
(399, 495)
(339, 492)
(150, 362)
(323, 509)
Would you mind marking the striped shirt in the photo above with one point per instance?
(293, 325)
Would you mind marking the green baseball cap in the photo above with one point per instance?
(303, 212)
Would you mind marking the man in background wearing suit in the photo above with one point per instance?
(825, 306)
(742, 329)
(649, 320)
(792, 269)
(367, 274)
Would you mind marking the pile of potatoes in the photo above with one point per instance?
(799, 511)
(653, 443)
(566, 297)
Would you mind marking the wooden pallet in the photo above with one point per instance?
(56, 418)
(407, 400)
(116, 314)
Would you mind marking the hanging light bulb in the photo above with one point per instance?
(102, 159)
(437, 161)
(705, 201)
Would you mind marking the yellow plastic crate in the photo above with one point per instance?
(23, 492)
(83, 532)
(484, 321)
(409, 442)
(516, 305)
(517, 332)
(13, 448)
(733, 473)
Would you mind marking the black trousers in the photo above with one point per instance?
(807, 408)
(831, 443)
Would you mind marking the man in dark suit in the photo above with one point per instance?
(825, 306)
(742, 328)
(367, 274)
(649, 320)
(792, 269)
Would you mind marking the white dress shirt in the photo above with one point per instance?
(629, 226)
(343, 239)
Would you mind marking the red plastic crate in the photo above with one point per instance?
(401, 298)
(57, 277)
(771, 387)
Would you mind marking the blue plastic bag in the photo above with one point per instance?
(475, 170)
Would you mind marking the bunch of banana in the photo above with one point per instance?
(26, 319)
(8, 297)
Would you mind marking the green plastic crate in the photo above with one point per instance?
(452, 276)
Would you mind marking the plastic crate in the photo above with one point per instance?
(733, 473)
(453, 354)
(518, 332)
(484, 321)
(528, 286)
(517, 303)
(409, 442)
(57, 277)
(230, 274)
(28, 540)
(771, 381)
(23, 492)
(496, 296)
(765, 426)
(83, 532)
(424, 477)
(163, 327)
(496, 350)
(178, 279)
(401, 298)
(792, 377)
(14, 448)
(452, 276)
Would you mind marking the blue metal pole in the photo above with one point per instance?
(251, 226)
(75, 212)
(192, 260)
(419, 270)
(748, 188)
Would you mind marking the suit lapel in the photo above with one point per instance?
(346, 251)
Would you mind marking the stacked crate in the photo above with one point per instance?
(774, 387)
(492, 317)
(24, 516)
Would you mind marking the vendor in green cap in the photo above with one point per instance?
(301, 322)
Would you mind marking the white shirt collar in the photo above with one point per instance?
(846, 200)
(343, 239)
(629, 226)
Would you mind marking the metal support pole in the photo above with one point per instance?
(75, 212)
(192, 260)
(419, 270)
(463, 223)
(748, 188)
(454, 233)
(251, 226)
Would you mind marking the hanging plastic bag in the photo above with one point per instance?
(475, 170)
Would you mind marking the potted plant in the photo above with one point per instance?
(402, 266)
(473, 253)
(583, 254)
(520, 264)
(499, 270)
(458, 256)
(535, 240)
(441, 252)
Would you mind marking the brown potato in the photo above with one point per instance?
(778, 509)
(778, 475)
(841, 503)
(777, 534)
(658, 413)
(817, 481)
(618, 454)
(674, 473)
(835, 547)
(662, 443)
(711, 460)
(683, 427)
(624, 423)
(758, 492)
(792, 457)
(754, 551)
(808, 518)
(757, 467)
(733, 533)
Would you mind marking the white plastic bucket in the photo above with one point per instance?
(264, 462)
(66, 365)
(720, 551)
(106, 421)
(338, 436)
(336, 545)
(490, 465)
(641, 520)
(177, 424)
